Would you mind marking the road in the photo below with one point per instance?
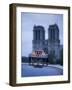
(50, 70)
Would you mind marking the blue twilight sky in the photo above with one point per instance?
(28, 20)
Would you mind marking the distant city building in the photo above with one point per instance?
(51, 46)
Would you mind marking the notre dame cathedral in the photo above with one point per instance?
(51, 46)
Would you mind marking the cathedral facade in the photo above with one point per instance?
(51, 46)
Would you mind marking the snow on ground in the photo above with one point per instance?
(50, 70)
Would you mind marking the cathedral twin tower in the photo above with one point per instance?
(51, 45)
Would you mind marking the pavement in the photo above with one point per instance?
(47, 70)
(57, 66)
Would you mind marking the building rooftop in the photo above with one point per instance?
(54, 26)
(38, 27)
